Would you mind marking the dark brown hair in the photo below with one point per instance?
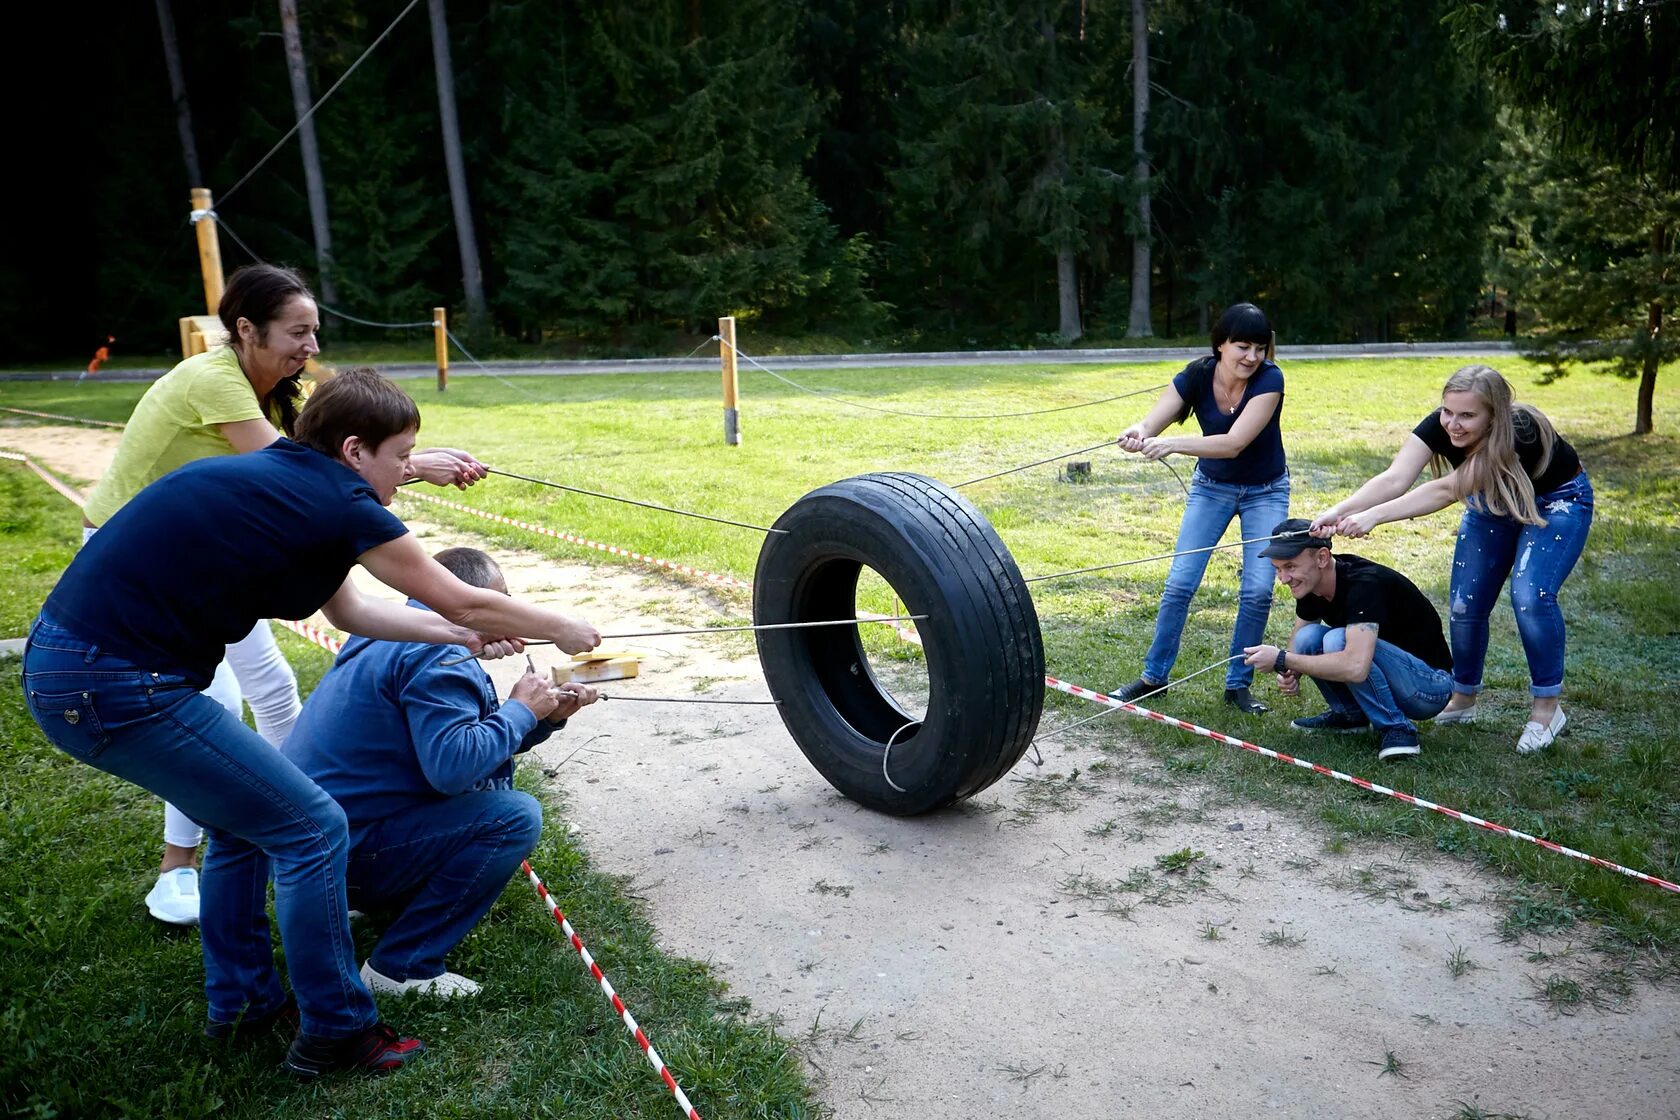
(359, 402)
(259, 292)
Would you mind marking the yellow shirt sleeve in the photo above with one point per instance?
(175, 423)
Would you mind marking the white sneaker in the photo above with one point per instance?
(174, 897)
(1461, 715)
(1536, 737)
(446, 986)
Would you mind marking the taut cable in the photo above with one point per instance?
(925, 415)
(1163, 556)
(725, 630)
(633, 501)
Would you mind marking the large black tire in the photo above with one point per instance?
(985, 657)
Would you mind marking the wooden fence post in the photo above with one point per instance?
(731, 389)
(440, 341)
(209, 248)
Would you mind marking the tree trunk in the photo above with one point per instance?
(1067, 296)
(472, 275)
(1137, 325)
(314, 186)
(178, 92)
(1643, 424)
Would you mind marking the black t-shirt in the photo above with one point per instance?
(1369, 592)
(195, 559)
(1262, 460)
(1564, 466)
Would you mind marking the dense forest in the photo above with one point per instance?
(904, 172)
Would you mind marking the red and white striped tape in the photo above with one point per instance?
(332, 643)
(59, 416)
(1362, 783)
(47, 476)
(641, 557)
(612, 996)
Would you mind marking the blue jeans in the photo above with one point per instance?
(1398, 685)
(442, 866)
(152, 728)
(1207, 514)
(1544, 555)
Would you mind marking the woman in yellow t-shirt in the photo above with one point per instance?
(232, 399)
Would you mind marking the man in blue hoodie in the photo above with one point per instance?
(420, 757)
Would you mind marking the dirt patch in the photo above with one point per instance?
(1088, 937)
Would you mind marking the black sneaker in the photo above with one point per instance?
(250, 1027)
(1332, 721)
(1398, 742)
(379, 1049)
(1130, 692)
(1239, 699)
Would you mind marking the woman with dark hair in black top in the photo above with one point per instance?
(1528, 508)
(1236, 395)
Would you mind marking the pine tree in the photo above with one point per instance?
(1591, 248)
(654, 170)
(394, 254)
(1604, 82)
(1005, 173)
(1323, 160)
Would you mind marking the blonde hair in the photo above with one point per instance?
(1491, 472)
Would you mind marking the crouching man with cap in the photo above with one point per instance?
(1365, 634)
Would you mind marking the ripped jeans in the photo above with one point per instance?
(1538, 558)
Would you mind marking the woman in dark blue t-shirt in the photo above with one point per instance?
(1528, 506)
(115, 665)
(1237, 397)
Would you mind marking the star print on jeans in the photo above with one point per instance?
(1559, 506)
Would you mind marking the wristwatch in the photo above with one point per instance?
(1278, 665)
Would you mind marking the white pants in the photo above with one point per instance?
(253, 671)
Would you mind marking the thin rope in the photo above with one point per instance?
(684, 700)
(634, 501)
(487, 371)
(1038, 463)
(926, 415)
(1164, 556)
(322, 100)
(1145, 696)
(723, 630)
(888, 751)
(1067, 455)
(223, 227)
(370, 323)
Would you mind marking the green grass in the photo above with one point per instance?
(39, 532)
(100, 1007)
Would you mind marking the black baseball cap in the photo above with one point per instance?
(1293, 539)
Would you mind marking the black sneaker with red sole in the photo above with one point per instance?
(251, 1027)
(379, 1049)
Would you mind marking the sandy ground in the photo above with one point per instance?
(1024, 953)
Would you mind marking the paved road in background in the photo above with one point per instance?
(708, 363)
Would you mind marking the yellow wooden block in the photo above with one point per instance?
(605, 655)
(588, 672)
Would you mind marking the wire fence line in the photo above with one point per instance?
(829, 396)
(322, 100)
